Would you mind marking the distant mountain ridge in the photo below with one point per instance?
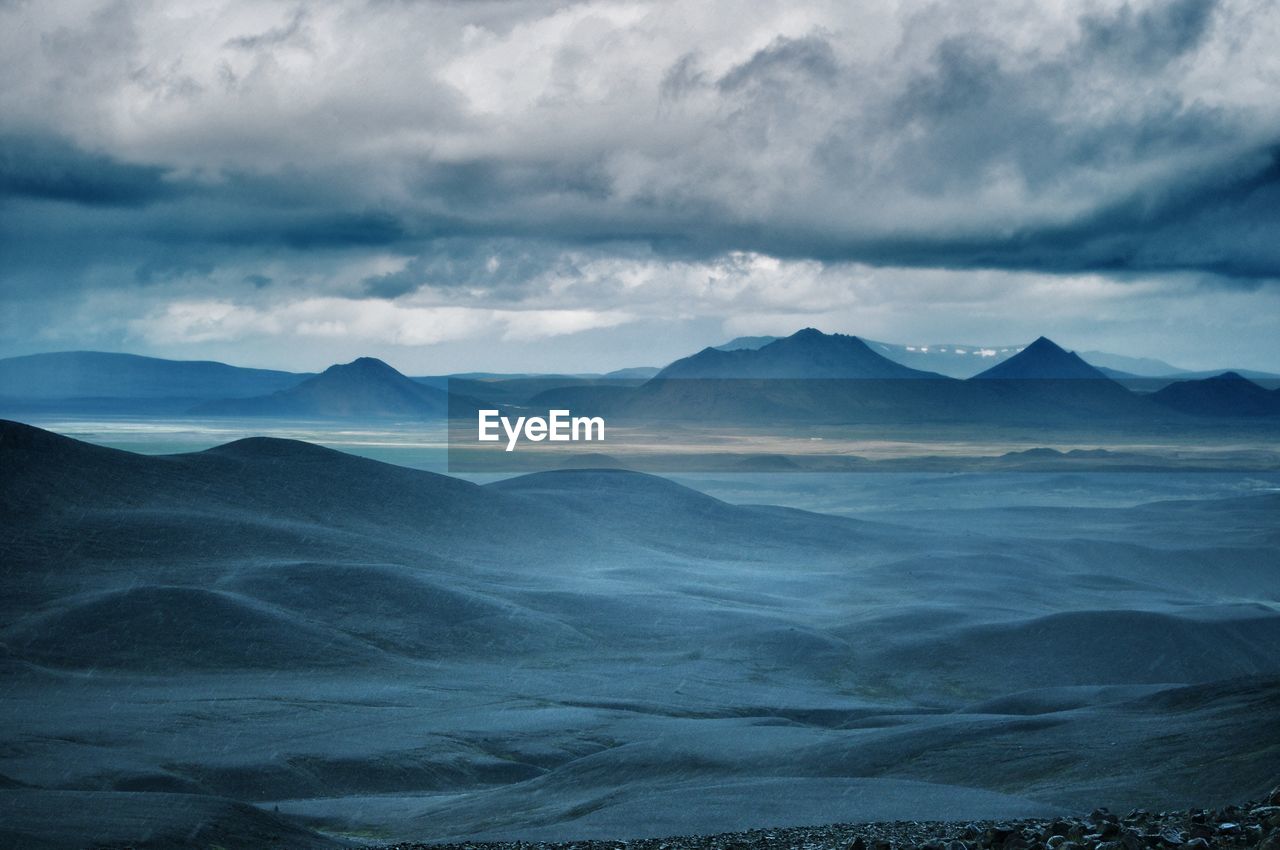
(101, 374)
(1051, 377)
(1143, 367)
(752, 342)
(961, 360)
(364, 387)
(833, 379)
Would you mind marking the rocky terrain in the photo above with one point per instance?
(1252, 825)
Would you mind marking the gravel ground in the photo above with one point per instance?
(1252, 825)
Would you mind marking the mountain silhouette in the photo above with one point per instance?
(364, 387)
(1043, 360)
(806, 354)
(1228, 394)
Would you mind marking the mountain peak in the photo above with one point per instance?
(364, 387)
(366, 365)
(1043, 359)
(806, 354)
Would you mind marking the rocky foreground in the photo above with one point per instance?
(1253, 825)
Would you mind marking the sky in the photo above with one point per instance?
(529, 186)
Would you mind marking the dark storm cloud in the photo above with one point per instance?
(489, 185)
(1149, 38)
(1226, 229)
(50, 168)
(238, 209)
(1224, 225)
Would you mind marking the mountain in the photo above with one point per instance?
(806, 354)
(1046, 383)
(106, 375)
(364, 387)
(1043, 360)
(1228, 394)
(633, 372)
(951, 360)
(814, 377)
(1143, 367)
(751, 342)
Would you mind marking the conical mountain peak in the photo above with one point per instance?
(1043, 359)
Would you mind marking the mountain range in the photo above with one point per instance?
(821, 378)
(808, 375)
(964, 361)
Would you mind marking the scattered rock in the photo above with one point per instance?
(1250, 827)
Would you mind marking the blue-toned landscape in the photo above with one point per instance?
(639, 425)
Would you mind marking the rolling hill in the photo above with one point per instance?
(227, 644)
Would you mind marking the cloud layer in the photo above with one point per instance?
(443, 171)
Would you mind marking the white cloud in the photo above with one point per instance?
(369, 321)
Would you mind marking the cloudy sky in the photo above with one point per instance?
(583, 186)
